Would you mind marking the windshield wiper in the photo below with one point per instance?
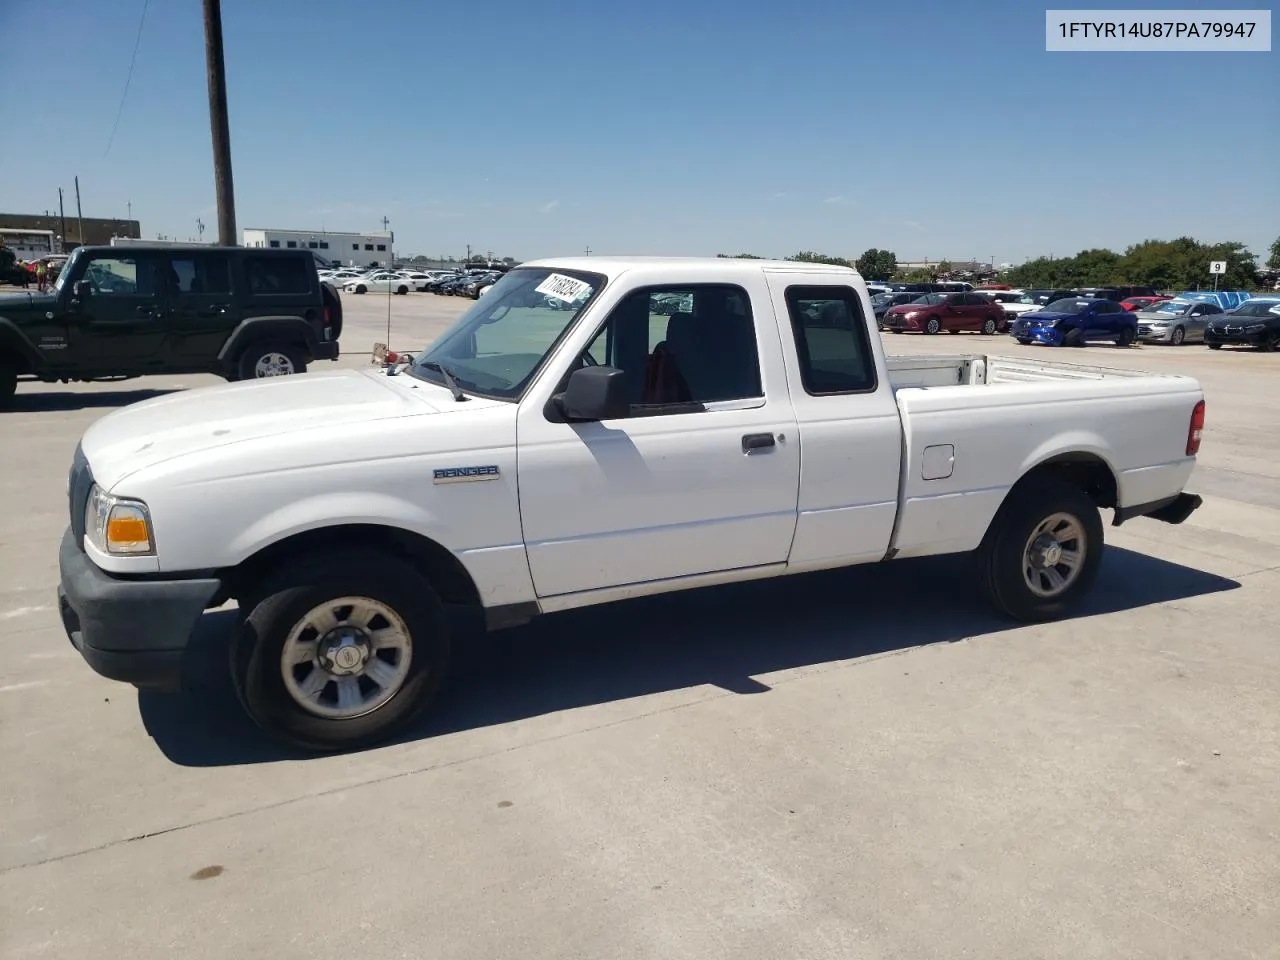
(452, 384)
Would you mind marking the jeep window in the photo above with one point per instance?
(277, 275)
(496, 347)
(205, 274)
(831, 340)
(118, 275)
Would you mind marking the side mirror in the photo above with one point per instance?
(595, 393)
(82, 289)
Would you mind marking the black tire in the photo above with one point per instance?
(1002, 555)
(932, 325)
(361, 288)
(989, 327)
(1025, 343)
(1073, 338)
(286, 600)
(247, 367)
(1215, 346)
(402, 290)
(1178, 335)
(1125, 338)
(1269, 344)
(8, 381)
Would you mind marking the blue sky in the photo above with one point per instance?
(536, 129)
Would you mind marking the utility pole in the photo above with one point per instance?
(79, 214)
(588, 251)
(62, 222)
(219, 125)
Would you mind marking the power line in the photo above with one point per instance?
(128, 79)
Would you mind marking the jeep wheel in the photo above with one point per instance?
(1042, 551)
(341, 651)
(270, 360)
(8, 381)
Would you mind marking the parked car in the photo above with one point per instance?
(434, 285)
(553, 487)
(881, 303)
(378, 283)
(1011, 301)
(453, 286)
(1135, 304)
(1226, 299)
(417, 279)
(953, 312)
(1175, 321)
(1041, 297)
(116, 312)
(1255, 322)
(1073, 321)
(471, 288)
(1114, 293)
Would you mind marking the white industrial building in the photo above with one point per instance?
(354, 249)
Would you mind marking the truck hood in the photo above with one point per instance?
(154, 431)
(25, 301)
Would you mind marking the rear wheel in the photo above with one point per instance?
(932, 325)
(340, 652)
(989, 326)
(270, 359)
(1178, 336)
(1042, 551)
(1025, 343)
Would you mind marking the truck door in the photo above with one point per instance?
(701, 477)
(202, 310)
(120, 326)
(849, 423)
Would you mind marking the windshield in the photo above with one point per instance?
(1257, 308)
(1068, 306)
(66, 271)
(929, 298)
(496, 347)
(1169, 306)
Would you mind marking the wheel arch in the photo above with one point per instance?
(1088, 470)
(293, 330)
(440, 566)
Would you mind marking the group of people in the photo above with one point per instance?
(37, 271)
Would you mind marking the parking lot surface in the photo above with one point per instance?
(859, 763)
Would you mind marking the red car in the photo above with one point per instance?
(953, 312)
(1134, 304)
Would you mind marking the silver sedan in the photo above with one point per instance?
(1175, 321)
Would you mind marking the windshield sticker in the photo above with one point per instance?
(564, 288)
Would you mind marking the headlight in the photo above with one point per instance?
(909, 314)
(118, 526)
(1255, 327)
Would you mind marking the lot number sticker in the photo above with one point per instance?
(564, 288)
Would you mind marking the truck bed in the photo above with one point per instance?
(985, 370)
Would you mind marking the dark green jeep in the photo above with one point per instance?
(118, 312)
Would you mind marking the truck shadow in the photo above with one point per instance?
(724, 636)
(54, 401)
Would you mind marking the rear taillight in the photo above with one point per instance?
(1195, 429)
(328, 319)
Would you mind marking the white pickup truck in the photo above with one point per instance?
(564, 444)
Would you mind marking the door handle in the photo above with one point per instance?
(145, 311)
(756, 441)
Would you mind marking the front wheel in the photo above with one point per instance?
(1125, 338)
(1023, 341)
(268, 359)
(1178, 336)
(932, 325)
(989, 326)
(1269, 344)
(1215, 346)
(1042, 551)
(341, 651)
(361, 288)
(402, 290)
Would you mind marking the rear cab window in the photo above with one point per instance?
(278, 276)
(831, 340)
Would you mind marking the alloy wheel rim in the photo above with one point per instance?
(273, 364)
(1054, 555)
(346, 657)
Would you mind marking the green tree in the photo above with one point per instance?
(1273, 256)
(877, 264)
(808, 256)
(943, 267)
(738, 256)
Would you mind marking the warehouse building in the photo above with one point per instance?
(353, 249)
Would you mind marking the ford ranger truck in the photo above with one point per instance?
(568, 442)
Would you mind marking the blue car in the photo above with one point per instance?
(1073, 321)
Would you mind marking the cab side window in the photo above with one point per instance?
(204, 274)
(127, 276)
(681, 347)
(831, 340)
